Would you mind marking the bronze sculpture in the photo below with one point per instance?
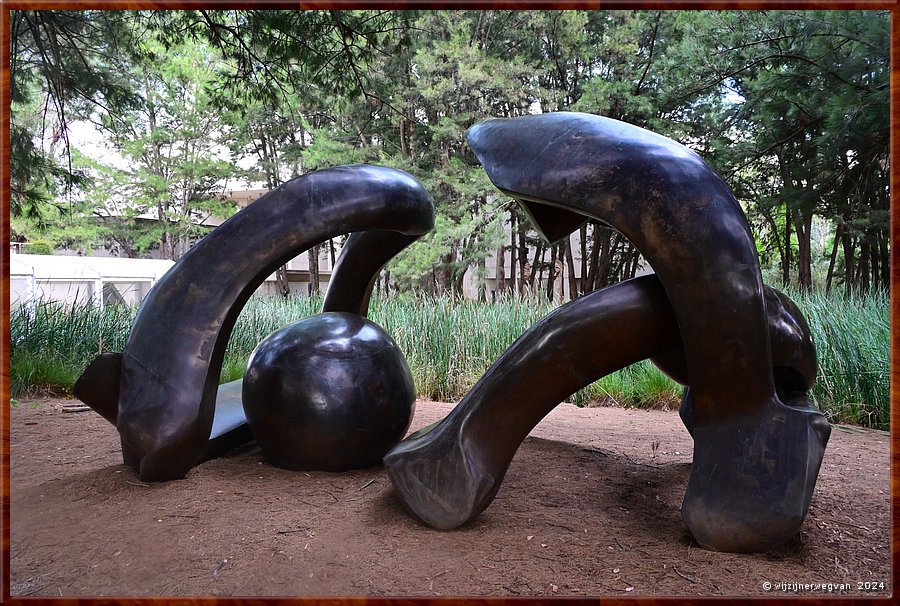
(162, 391)
(743, 350)
(448, 473)
(756, 456)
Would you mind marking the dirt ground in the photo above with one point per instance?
(588, 507)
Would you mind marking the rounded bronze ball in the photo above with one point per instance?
(329, 392)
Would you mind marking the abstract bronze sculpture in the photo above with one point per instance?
(758, 442)
(743, 350)
(162, 391)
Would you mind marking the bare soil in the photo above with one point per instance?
(589, 507)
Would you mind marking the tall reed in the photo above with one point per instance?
(852, 336)
(51, 343)
(449, 343)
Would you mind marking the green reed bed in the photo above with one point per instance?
(449, 343)
(51, 343)
(852, 336)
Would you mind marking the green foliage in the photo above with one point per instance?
(333, 148)
(640, 385)
(809, 134)
(36, 177)
(274, 53)
(38, 247)
(63, 65)
(51, 344)
(74, 227)
(449, 343)
(170, 139)
(458, 68)
(790, 106)
(35, 373)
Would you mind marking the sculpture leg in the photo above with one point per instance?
(449, 473)
(791, 431)
(362, 257)
(779, 454)
(784, 446)
(793, 356)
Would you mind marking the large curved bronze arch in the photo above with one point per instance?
(448, 473)
(161, 390)
(756, 459)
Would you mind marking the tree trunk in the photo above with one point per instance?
(786, 258)
(457, 278)
(164, 238)
(458, 284)
(446, 272)
(523, 257)
(773, 224)
(123, 244)
(313, 256)
(885, 254)
(551, 274)
(635, 261)
(513, 251)
(404, 148)
(570, 267)
(617, 263)
(582, 232)
(803, 229)
(481, 272)
(538, 258)
(281, 281)
(833, 257)
(873, 264)
(862, 270)
(609, 244)
(500, 273)
(591, 283)
(849, 260)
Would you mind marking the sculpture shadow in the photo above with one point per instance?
(601, 489)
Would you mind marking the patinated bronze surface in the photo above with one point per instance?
(756, 457)
(448, 473)
(161, 390)
(329, 392)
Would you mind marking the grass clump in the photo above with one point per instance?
(640, 385)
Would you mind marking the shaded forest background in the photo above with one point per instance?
(791, 108)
